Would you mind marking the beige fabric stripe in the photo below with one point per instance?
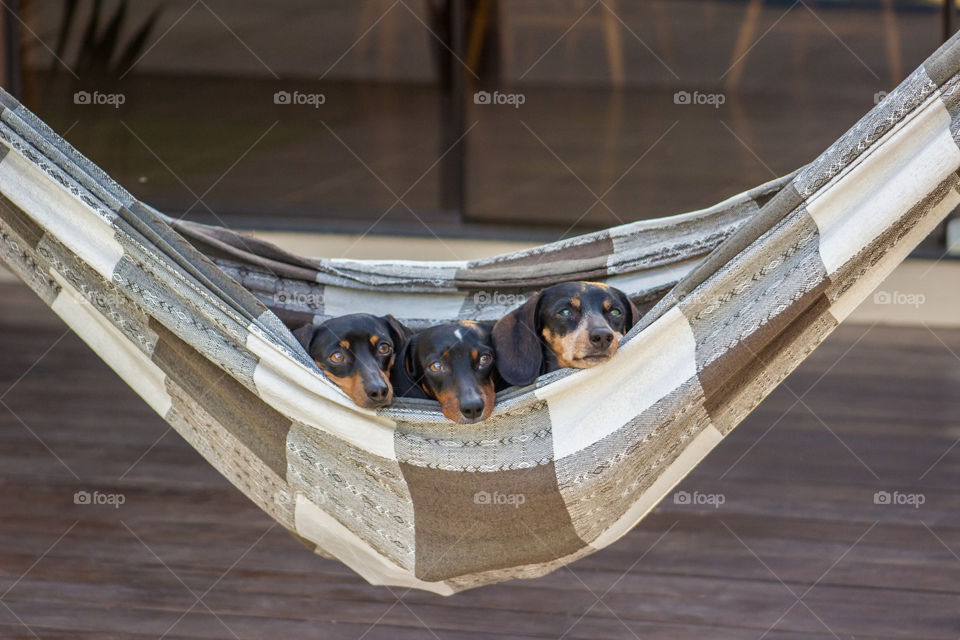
(60, 213)
(113, 347)
(319, 527)
(854, 281)
(228, 455)
(586, 407)
(870, 196)
(366, 493)
(670, 477)
(305, 396)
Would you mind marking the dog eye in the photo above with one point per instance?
(565, 313)
(615, 313)
(337, 357)
(384, 349)
(485, 359)
(436, 366)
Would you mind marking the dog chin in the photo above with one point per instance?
(367, 403)
(591, 360)
(454, 415)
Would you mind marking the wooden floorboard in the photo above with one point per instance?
(798, 549)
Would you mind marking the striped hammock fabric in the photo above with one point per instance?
(192, 318)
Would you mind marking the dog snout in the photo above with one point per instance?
(601, 337)
(472, 409)
(471, 406)
(377, 390)
(378, 394)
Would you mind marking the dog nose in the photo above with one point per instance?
(378, 394)
(472, 409)
(601, 337)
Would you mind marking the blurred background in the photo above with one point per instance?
(387, 130)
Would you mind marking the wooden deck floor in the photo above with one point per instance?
(797, 549)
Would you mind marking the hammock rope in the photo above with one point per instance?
(193, 318)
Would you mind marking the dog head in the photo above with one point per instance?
(574, 324)
(356, 352)
(453, 364)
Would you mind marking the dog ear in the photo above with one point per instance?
(305, 334)
(516, 341)
(633, 313)
(398, 331)
(405, 373)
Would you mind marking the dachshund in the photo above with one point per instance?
(357, 352)
(452, 363)
(574, 324)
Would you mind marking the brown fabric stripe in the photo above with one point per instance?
(601, 482)
(598, 247)
(714, 376)
(583, 261)
(21, 224)
(256, 424)
(737, 382)
(27, 264)
(190, 417)
(458, 532)
(778, 208)
(942, 65)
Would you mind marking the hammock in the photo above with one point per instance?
(192, 318)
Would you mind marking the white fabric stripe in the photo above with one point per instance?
(698, 448)
(861, 203)
(593, 403)
(302, 395)
(113, 347)
(444, 269)
(653, 278)
(867, 282)
(441, 306)
(319, 527)
(61, 214)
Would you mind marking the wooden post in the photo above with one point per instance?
(10, 47)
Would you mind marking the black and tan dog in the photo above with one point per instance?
(574, 324)
(357, 352)
(452, 363)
